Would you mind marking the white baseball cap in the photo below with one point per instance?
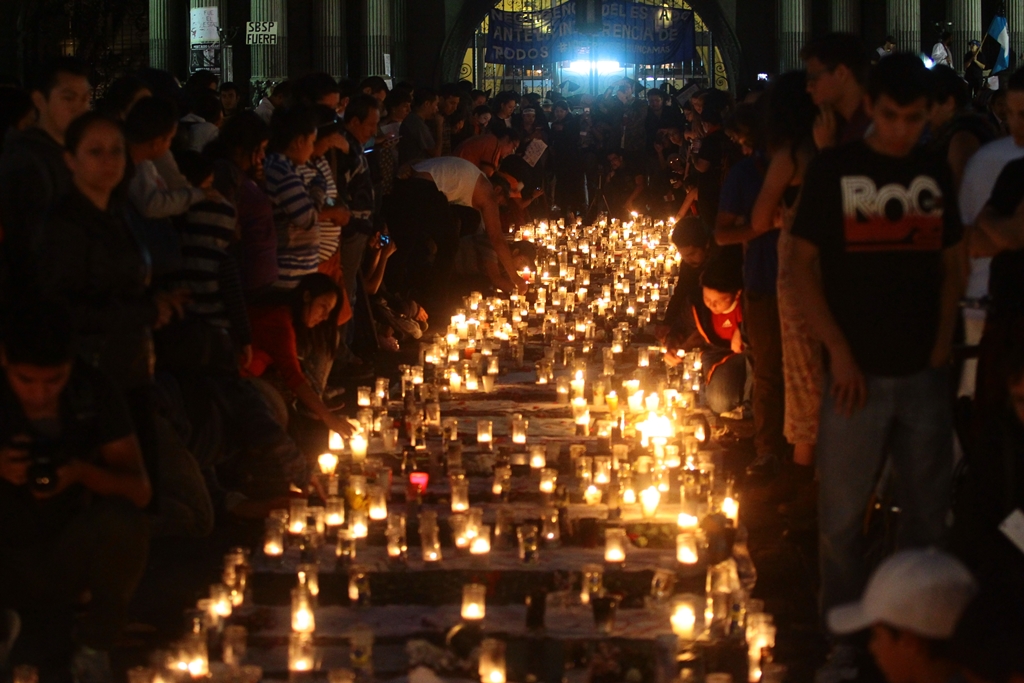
(923, 591)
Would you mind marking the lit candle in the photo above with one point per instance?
(357, 523)
(460, 495)
(519, 427)
(484, 432)
(481, 543)
(298, 508)
(687, 521)
(492, 661)
(592, 496)
(455, 381)
(615, 545)
(300, 652)
(635, 402)
(303, 620)
(358, 445)
(335, 442)
(378, 501)
(686, 548)
(649, 499)
(612, 399)
(548, 478)
(731, 509)
(273, 539)
(578, 385)
(363, 396)
(684, 618)
(328, 461)
(473, 606)
(538, 457)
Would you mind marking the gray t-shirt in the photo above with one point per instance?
(416, 139)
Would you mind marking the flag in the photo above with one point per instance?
(995, 47)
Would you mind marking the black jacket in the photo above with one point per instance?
(90, 259)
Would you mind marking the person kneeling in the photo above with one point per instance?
(72, 491)
(718, 316)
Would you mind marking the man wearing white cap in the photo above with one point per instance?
(912, 604)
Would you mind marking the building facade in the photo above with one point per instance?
(434, 41)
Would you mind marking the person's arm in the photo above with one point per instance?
(961, 148)
(954, 279)
(849, 388)
(684, 208)
(483, 201)
(641, 184)
(305, 393)
(781, 171)
(153, 201)
(380, 257)
(122, 473)
(1004, 233)
(701, 165)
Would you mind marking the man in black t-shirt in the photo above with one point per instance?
(878, 257)
(72, 490)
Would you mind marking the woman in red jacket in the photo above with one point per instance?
(294, 338)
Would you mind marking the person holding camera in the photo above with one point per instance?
(72, 491)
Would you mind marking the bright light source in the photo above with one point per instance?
(585, 67)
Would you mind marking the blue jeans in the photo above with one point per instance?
(907, 419)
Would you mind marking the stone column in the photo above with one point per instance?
(1015, 26)
(794, 30)
(270, 62)
(904, 22)
(223, 19)
(160, 39)
(377, 29)
(328, 17)
(966, 18)
(845, 16)
(400, 36)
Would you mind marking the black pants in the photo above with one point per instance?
(761, 314)
(102, 549)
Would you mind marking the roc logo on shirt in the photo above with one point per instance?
(892, 217)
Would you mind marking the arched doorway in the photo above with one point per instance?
(719, 60)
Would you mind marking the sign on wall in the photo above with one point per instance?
(631, 34)
(203, 23)
(261, 33)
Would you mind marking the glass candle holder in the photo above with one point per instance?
(492, 661)
(390, 436)
(614, 545)
(359, 585)
(303, 620)
(273, 537)
(363, 396)
(301, 652)
(358, 445)
(502, 480)
(549, 530)
(731, 510)
(335, 442)
(377, 501)
(604, 608)
(591, 583)
(650, 497)
(235, 637)
(346, 548)
(308, 575)
(488, 383)
(460, 494)
(220, 600)
(562, 390)
(328, 463)
(686, 548)
(430, 542)
(602, 469)
(484, 434)
(397, 547)
(474, 601)
(493, 367)
(684, 616)
(538, 457)
(519, 427)
(526, 534)
(548, 479)
(592, 495)
(480, 544)
(358, 523)
(334, 512)
(298, 509)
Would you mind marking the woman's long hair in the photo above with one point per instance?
(323, 338)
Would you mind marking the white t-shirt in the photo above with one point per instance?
(979, 178)
(940, 55)
(454, 176)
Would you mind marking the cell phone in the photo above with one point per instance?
(385, 240)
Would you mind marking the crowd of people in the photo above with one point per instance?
(188, 285)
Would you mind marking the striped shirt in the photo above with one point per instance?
(319, 179)
(208, 272)
(295, 217)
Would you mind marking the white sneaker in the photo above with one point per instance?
(840, 666)
(91, 666)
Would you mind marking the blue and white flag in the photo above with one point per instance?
(995, 47)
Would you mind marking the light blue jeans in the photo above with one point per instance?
(908, 419)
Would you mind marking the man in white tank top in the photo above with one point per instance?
(464, 184)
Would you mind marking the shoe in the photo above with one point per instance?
(840, 666)
(10, 628)
(764, 467)
(91, 666)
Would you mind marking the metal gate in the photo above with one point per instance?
(707, 69)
